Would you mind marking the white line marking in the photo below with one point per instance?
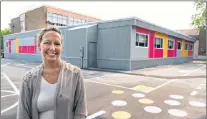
(160, 86)
(111, 85)
(173, 80)
(16, 91)
(4, 65)
(193, 93)
(8, 95)
(96, 114)
(14, 105)
(2, 77)
(11, 83)
(8, 91)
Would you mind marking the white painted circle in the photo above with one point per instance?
(152, 109)
(172, 102)
(178, 113)
(176, 96)
(138, 95)
(197, 104)
(119, 103)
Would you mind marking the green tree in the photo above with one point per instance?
(199, 18)
(6, 31)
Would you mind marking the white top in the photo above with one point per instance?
(45, 101)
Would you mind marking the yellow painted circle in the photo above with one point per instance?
(146, 101)
(117, 91)
(121, 115)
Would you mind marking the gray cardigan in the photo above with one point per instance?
(70, 94)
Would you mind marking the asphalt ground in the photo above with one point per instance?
(163, 92)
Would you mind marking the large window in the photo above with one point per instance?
(49, 17)
(22, 25)
(170, 44)
(158, 42)
(141, 40)
(70, 20)
(191, 46)
(65, 20)
(186, 46)
(60, 19)
(179, 45)
(57, 19)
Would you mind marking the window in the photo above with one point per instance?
(179, 44)
(22, 24)
(191, 46)
(83, 21)
(170, 44)
(158, 42)
(70, 20)
(65, 20)
(55, 17)
(186, 46)
(141, 40)
(49, 17)
(60, 19)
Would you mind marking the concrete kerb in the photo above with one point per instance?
(139, 74)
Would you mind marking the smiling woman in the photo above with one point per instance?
(54, 89)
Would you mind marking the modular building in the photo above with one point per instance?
(122, 44)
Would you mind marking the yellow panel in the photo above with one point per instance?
(165, 43)
(184, 52)
(17, 45)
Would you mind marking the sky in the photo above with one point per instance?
(173, 15)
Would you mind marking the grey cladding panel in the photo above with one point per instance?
(75, 39)
(114, 43)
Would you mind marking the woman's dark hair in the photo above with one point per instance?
(41, 34)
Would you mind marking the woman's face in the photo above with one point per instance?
(51, 46)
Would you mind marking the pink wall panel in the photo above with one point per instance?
(27, 49)
(20, 49)
(151, 44)
(171, 53)
(9, 43)
(142, 30)
(190, 53)
(158, 53)
(175, 48)
(151, 39)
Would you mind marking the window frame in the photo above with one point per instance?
(155, 42)
(191, 44)
(180, 45)
(187, 46)
(138, 42)
(173, 45)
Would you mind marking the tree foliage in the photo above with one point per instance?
(6, 31)
(199, 18)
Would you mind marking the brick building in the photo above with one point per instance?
(46, 16)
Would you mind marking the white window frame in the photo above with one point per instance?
(155, 42)
(173, 45)
(180, 45)
(191, 44)
(138, 42)
(187, 47)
